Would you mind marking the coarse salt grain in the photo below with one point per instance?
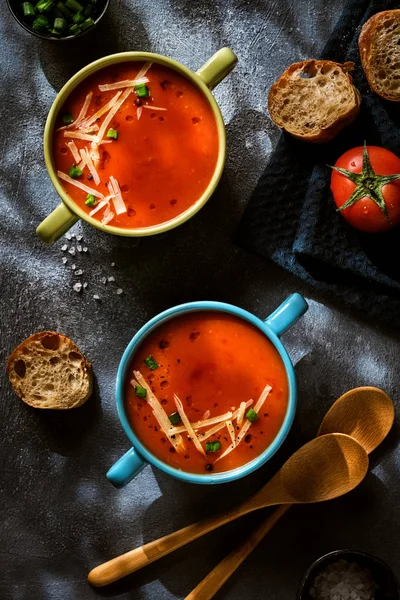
(343, 580)
(72, 251)
(104, 280)
(85, 249)
(65, 260)
(111, 278)
(85, 285)
(77, 287)
(79, 248)
(64, 247)
(73, 267)
(68, 236)
(113, 264)
(79, 272)
(79, 238)
(119, 291)
(96, 297)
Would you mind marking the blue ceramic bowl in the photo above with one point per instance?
(129, 465)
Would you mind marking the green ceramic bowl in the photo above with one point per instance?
(205, 79)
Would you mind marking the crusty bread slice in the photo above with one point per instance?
(314, 99)
(47, 370)
(379, 45)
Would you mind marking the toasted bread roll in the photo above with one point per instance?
(314, 99)
(379, 45)
(47, 370)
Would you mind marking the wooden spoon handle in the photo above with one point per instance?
(134, 560)
(210, 585)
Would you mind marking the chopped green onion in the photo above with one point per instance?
(142, 90)
(175, 418)
(140, 391)
(151, 363)
(67, 118)
(251, 415)
(112, 133)
(75, 29)
(64, 10)
(40, 24)
(213, 446)
(74, 172)
(74, 6)
(87, 23)
(59, 25)
(90, 200)
(55, 32)
(78, 18)
(45, 6)
(28, 9)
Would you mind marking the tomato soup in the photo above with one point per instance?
(203, 369)
(136, 145)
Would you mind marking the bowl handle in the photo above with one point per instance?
(126, 468)
(287, 314)
(56, 224)
(217, 67)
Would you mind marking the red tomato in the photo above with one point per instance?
(365, 214)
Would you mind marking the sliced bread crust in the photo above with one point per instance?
(47, 370)
(379, 45)
(314, 100)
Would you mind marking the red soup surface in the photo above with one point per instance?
(213, 362)
(165, 153)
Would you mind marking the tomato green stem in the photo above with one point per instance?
(368, 184)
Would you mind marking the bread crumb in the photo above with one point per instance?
(77, 287)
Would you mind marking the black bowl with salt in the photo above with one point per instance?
(343, 573)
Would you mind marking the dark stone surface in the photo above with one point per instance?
(60, 517)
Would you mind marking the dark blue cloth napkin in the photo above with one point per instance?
(291, 215)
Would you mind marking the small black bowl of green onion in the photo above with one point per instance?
(58, 20)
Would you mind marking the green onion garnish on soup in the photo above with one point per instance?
(213, 446)
(251, 415)
(113, 134)
(28, 9)
(174, 418)
(74, 172)
(140, 391)
(142, 90)
(91, 201)
(67, 118)
(150, 361)
(73, 6)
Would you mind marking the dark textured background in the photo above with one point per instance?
(60, 517)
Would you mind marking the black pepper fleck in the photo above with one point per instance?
(209, 467)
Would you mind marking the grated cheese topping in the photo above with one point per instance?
(74, 151)
(187, 424)
(205, 422)
(80, 136)
(111, 114)
(158, 412)
(119, 204)
(80, 185)
(101, 111)
(122, 84)
(247, 424)
(88, 160)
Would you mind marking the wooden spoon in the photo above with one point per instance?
(365, 413)
(325, 468)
